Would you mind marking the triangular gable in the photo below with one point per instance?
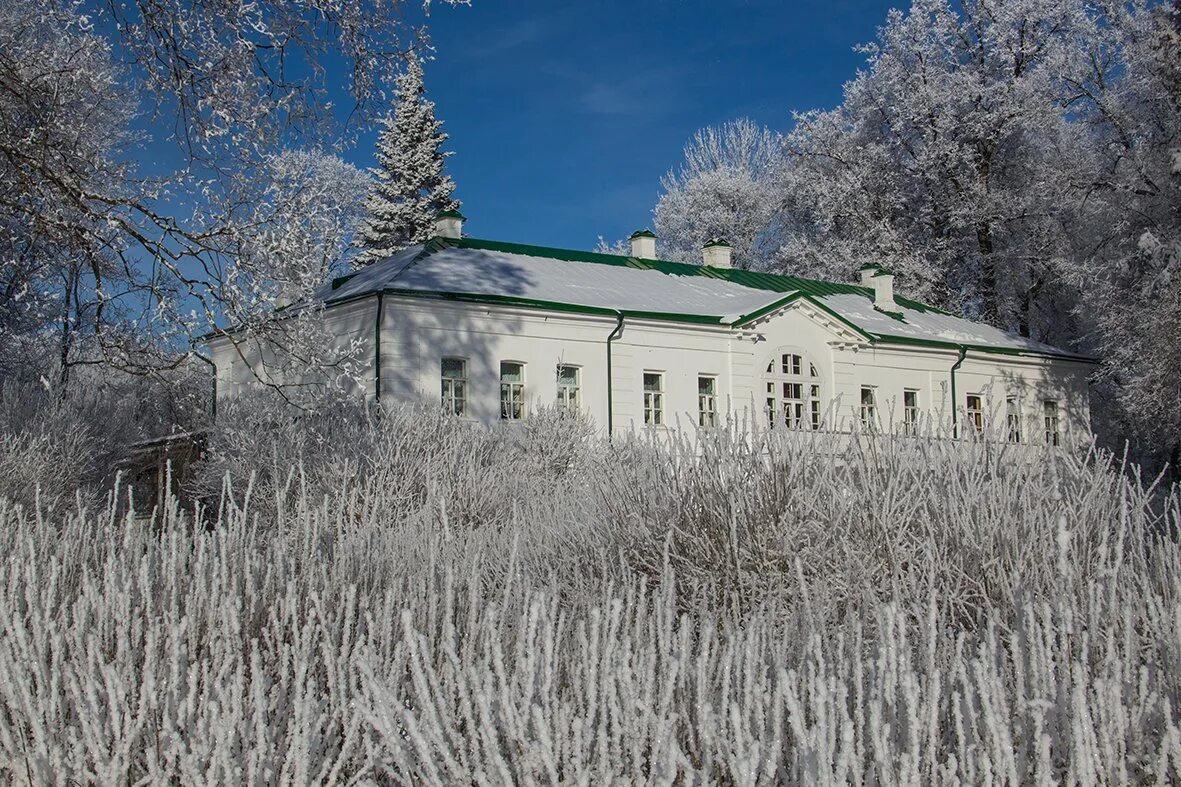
(842, 330)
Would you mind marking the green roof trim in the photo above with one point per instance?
(451, 213)
(712, 242)
(869, 266)
(885, 338)
(644, 233)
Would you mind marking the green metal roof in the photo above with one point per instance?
(642, 234)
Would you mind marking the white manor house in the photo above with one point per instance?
(497, 330)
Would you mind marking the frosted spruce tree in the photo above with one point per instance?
(411, 187)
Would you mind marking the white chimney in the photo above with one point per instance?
(449, 224)
(716, 253)
(867, 271)
(883, 291)
(643, 244)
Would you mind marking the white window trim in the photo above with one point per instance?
(564, 391)
(868, 411)
(975, 415)
(1052, 436)
(802, 412)
(911, 414)
(707, 404)
(1014, 422)
(517, 393)
(653, 401)
(447, 387)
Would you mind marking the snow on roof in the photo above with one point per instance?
(929, 325)
(459, 269)
(557, 278)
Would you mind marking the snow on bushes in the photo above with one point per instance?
(414, 599)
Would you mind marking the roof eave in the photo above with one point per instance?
(880, 338)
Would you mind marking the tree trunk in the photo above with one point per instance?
(1029, 297)
(67, 338)
(990, 312)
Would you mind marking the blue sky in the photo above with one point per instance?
(564, 116)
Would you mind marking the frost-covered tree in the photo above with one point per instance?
(96, 250)
(296, 237)
(411, 185)
(64, 119)
(1127, 89)
(1016, 162)
(724, 187)
(946, 159)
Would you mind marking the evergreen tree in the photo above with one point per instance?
(411, 187)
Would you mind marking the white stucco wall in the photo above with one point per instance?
(416, 333)
(243, 363)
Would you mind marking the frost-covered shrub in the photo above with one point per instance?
(506, 605)
(73, 442)
(47, 461)
(863, 513)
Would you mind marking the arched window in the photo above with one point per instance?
(792, 387)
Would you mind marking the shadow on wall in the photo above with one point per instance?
(419, 332)
(1056, 399)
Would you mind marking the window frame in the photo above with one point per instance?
(707, 403)
(566, 392)
(515, 410)
(448, 386)
(911, 412)
(868, 408)
(1052, 422)
(792, 396)
(653, 399)
(1013, 419)
(975, 415)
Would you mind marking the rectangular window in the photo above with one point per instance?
(1050, 415)
(793, 404)
(869, 408)
(707, 401)
(454, 377)
(653, 399)
(910, 412)
(814, 403)
(1013, 419)
(792, 364)
(569, 388)
(512, 391)
(975, 408)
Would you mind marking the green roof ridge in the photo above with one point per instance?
(758, 280)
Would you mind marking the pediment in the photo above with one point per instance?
(843, 335)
